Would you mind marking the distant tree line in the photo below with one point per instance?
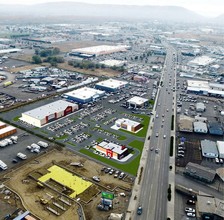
(48, 55)
(87, 64)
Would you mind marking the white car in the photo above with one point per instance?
(188, 209)
(157, 134)
(164, 136)
(190, 214)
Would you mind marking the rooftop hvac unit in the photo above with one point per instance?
(208, 202)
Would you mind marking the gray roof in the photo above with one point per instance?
(210, 204)
(200, 127)
(209, 148)
(200, 172)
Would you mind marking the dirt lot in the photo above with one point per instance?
(27, 188)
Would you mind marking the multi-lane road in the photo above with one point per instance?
(154, 185)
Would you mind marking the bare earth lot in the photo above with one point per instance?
(31, 195)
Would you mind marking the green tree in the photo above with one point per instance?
(36, 59)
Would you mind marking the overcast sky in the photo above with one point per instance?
(209, 8)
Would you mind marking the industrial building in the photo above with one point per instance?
(47, 113)
(111, 85)
(201, 61)
(220, 146)
(199, 172)
(99, 50)
(7, 131)
(128, 124)
(137, 102)
(111, 63)
(84, 95)
(185, 123)
(215, 128)
(200, 127)
(210, 207)
(209, 149)
(112, 150)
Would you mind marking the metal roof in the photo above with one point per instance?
(209, 148)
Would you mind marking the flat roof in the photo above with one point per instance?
(112, 83)
(220, 146)
(6, 129)
(137, 100)
(113, 62)
(209, 147)
(2, 123)
(128, 122)
(197, 83)
(85, 93)
(51, 108)
(101, 49)
(114, 147)
(202, 61)
(10, 50)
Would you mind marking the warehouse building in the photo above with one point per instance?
(200, 127)
(210, 207)
(137, 102)
(112, 150)
(84, 95)
(111, 85)
(209, 149)
(111, 63)
(128, 125)
(7, 131)
(199, 172)
(220, 146)
(215, 128)
(185, 123)
(42, 115)
(99, 50)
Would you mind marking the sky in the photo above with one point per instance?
(209, 8)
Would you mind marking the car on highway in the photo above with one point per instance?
(188, 209)
(164, 136)
(157, 134)
(157, 150)
(139, 210)
(152, 148)
(157, 116)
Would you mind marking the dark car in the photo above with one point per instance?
(190, 202)
(15, 161)
(139, 210)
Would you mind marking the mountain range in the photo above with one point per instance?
(74, 9)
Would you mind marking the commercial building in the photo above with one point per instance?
(215, 128)
(209, 149)
(199, 172)
(100, 50)
(47, 113)
(7, 131)
(2, 124)
(185, 123)
(201, 61)
(200, 127)
(137, 102)
(112, 150)
(11, 50)
(128, 124)
(84, 95)
(210, 207)
(111, 85)
(220, 146)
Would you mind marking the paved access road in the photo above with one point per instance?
(153, 194)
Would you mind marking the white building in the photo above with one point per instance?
(111, 63)
(84, 95)
(200, 127)
(128, 125)
(47, 113)
(137, 102)
(209, 149)
(111, 85)
(200, 107)
(220, 146)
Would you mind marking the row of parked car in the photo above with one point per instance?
(110, 171)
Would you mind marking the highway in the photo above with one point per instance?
(154, 185)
